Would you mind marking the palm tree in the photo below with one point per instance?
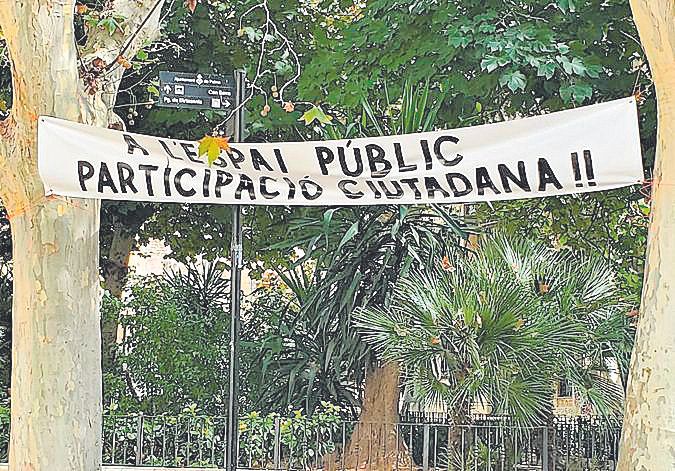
(501, 326)
(355, 254)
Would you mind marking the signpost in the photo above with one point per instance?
(196, 91)
(237, 262)
(212, 92)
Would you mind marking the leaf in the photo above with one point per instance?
(142, 55)
(327, 217)
(566, 5)
(578, 67)
(577, 93)
(593, 71)
(489, 64)
(110, 24)
(349, 235)
(191, 5)
(567, 64)
(315, 113)
(252, 33)
(514, 80)
(459, 41)
(212, 146)
(546, 69)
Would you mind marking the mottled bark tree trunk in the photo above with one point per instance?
(56, 371)
(116, 267)
(648, 440)
(56, 374)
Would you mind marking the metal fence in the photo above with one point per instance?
(487, 444)
(570, 444)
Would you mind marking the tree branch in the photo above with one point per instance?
(41, 45)
(140, 26)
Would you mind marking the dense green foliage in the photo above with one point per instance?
(485, 61)
(174, 351)
(379, 67)
(497, 60)
(5, 328)
(511, 58)
(612, 224)
(304, 438)
(502, 326)
(351, 258)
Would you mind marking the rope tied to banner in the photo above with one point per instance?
(40, 201)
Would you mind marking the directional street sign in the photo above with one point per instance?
(196, 91)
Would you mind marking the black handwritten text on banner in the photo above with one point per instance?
(585, 149)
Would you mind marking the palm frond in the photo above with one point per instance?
(501, 325)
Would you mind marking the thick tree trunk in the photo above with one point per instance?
(648, 440)
(56, 372)
(56, 350)
(375, 443)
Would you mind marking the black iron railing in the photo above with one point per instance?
(488, 443)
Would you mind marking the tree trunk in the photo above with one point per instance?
(648, 439)
(116, 267)
(56, 351)
(375, 443)
(115, 271)
(458, 443)
(56, 374)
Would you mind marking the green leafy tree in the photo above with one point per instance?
(175, 345)
(501, 326)
(352, 258)
(198, 37)
(612, 224)
(494, 58)
(500, 60)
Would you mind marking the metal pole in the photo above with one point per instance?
(544, 451)
(237, 262)
(139, 439)
(425, 448)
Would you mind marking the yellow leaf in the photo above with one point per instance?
(211, 146)
(315, 113)
(204, 145)
(213, 153)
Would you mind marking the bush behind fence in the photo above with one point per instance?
(299, 442)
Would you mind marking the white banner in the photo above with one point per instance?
(576, 151)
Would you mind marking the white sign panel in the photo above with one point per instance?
(576, 151)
